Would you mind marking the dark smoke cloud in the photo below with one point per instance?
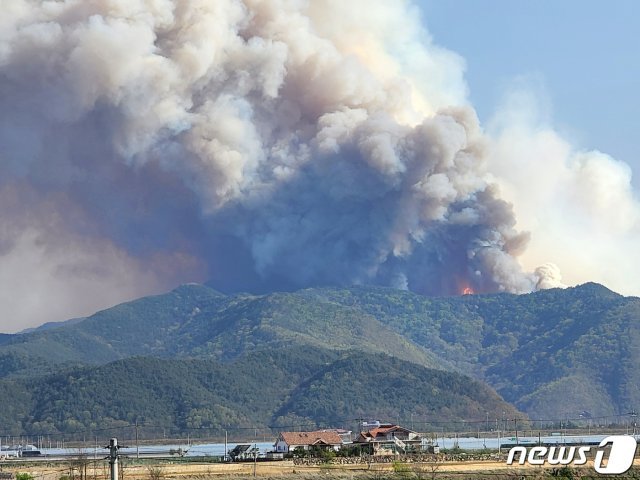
(260, 144)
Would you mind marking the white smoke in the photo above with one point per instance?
(262, 144)
(580, 205)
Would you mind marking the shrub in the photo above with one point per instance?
(401, 469)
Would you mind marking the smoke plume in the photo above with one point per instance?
(258, 144)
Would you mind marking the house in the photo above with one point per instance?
(326, 439)
(345, 435)
(242, 452)
(387, 439)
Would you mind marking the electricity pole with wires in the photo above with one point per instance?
(113, 457)
(137, 445)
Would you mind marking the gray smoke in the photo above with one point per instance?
(262, 145)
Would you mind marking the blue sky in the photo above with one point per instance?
(580, 57)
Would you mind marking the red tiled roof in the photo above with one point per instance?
(382, 431)
(374, 432)
(311, 438)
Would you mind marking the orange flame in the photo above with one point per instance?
(468, 291)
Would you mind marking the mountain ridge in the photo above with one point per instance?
(530, 348)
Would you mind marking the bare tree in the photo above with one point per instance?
(428, 469)
(77, 466)
(155, 472)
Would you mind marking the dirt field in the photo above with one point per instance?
(286, 469)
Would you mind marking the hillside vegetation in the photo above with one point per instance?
(579, 345)
(264, 389)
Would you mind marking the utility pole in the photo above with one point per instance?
(359, 427)
(137, 446)
(255, 459)
(113, 458)
(633, 414)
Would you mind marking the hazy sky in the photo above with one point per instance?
(580, 56)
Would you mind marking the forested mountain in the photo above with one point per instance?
(580, 344)
(194, 320)
(267, 388)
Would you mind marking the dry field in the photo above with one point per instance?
(163, 470)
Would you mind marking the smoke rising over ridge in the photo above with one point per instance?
(257, 144)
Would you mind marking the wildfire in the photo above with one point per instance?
(467, 291)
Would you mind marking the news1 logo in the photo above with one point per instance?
(619, 460)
